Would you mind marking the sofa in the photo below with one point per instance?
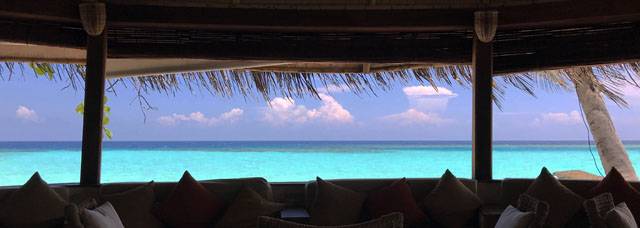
(510, 189)
(226, 189)
(420, 187)
(496, 195)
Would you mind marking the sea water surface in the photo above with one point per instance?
(282, 161)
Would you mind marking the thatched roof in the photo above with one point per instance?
(292, 79)
(292, 48)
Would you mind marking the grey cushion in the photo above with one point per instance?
(604, 214)
(514, 218)
(134, 206)
(245, 210)
(393, 220)
(336, 205)
(451, 204)
(563, 203)
(103, 216)
(620, 217)
(34, 204)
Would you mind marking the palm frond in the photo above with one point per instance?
(609, 79)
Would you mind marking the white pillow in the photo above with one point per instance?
(103, 216)
(511, 217)
(620, 217)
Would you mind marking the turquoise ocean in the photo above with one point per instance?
(285, 161)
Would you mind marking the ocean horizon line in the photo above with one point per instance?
(313, 140)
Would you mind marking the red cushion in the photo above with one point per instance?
(190, 205)
(621, 191)
(396, 198)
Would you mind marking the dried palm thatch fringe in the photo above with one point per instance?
(253, 84)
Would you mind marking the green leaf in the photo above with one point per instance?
(37, 69)
(80, 108)
(105, 119)
(107, 133)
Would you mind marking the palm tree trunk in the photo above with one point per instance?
(610, 148)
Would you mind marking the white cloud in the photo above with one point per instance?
(428, 98)
(563, 118)
(426, 104)
(282, 111)
(422, 91)
(413, 117)
(200, 118)
(334, 89)
(27, 114)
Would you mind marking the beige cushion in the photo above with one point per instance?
(451, 204)
(620, 217)
(134, 206)
(393, 220)
(514, 218)
(34, 204)
(103, 216)
(245, 210)
(563, 203)
(335, 205)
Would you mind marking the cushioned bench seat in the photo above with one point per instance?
(511, 189)
(420, 188)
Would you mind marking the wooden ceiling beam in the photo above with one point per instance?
(30, 32)
(558, 54)
(569, 13)
(562, 13)
(65, 11)
(291, 20)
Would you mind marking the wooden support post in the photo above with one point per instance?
(482, 110)
(93, 109)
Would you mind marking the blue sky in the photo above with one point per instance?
(38, 109)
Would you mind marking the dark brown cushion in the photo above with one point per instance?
(621, 191)
(393, 220)
(597, 208)
(190, 205)
(72, 213)
(563, 203)
(540, 209)
(335, 205)
(246, 208)
(396, 197)
(135, 206)
(451, 204)
(34, 204)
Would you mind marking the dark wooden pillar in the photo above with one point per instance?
(93, 109)
(482, 109)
